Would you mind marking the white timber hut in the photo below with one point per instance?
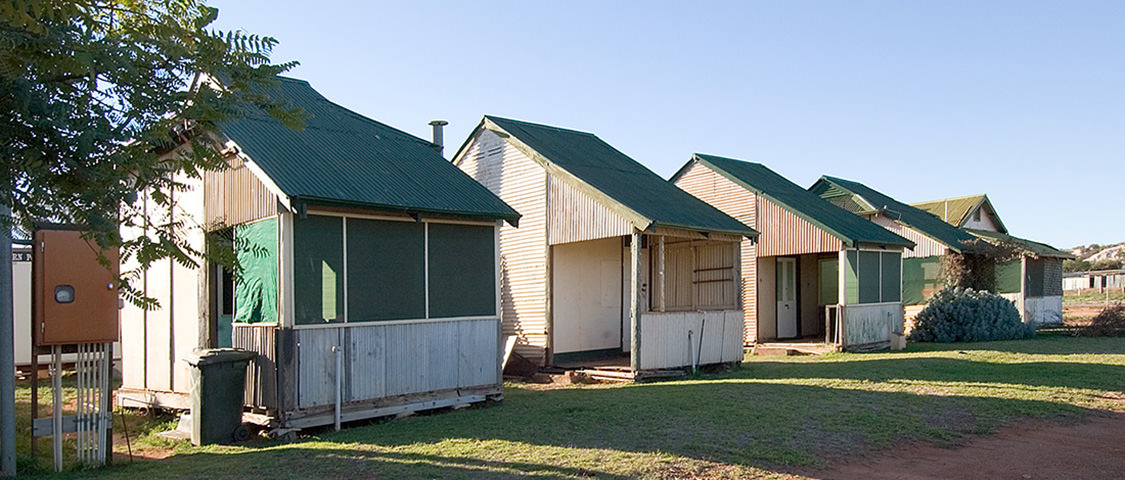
(370, 282)
(817, 271)
(610, 261)
(1034, 281)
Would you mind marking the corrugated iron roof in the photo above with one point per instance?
(952, 210)
(344, 158)
(833, 188)
(1025, 246)
(847, 226)
(620, 178)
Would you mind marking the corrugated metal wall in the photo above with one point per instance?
(924, 245)
(783, 233)
(573, 216)
(521, 183)
(234, 196)
(387, 360)
(716, 337)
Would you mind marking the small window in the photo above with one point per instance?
(976, 215)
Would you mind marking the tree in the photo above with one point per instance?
(98, 94)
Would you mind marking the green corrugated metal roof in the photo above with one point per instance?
(952, 210)
(344, 158)
(620, 178)
(1027, 247)
(919, 220)
(848, 227)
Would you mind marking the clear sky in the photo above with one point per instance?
(1022, 100)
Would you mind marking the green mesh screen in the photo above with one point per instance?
(386, 270)
(921, 277)
(318, 269)
(829, 282)
(869, 288)
(1036, 270)
(462, 271)
(891, 280)
(256, 292)
(851, 277)
(1008, 276)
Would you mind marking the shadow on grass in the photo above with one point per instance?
(1045, 343)
(617, 431)
(751, 417)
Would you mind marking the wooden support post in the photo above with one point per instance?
(660, 286)
(635, 300)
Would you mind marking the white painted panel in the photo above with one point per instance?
(665, 338)
(573, 216)
(21, 309)
(871, 323)
(586, 303)
(479, 350)
(1044, 310)
(367, 362)
(786, 297)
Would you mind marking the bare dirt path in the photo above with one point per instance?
(1089, 449)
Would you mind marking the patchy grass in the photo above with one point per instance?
(759, 421)
(1089, 297)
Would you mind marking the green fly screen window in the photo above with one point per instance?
(890, 282)
(829, 282)
(921, 277)
(1036, 273)
(462, 265)
(873, 277)
(386, 270)
(1008, 276)
(318, 270)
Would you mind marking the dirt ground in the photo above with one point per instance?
(1090, 449)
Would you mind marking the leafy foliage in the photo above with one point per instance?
(967, 315)
(98, 94)
(975, 267)
(1079, 265)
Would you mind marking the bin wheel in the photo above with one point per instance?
(241, 433)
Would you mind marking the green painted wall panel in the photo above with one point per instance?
(829, 282)
(256, 291)
(891, 278)
(921, 277)
(851, 277)
(1008, 276)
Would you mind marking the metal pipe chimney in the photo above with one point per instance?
(438, 139)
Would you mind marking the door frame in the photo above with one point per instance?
(796, 294)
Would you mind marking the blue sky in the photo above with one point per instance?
(1022, 100)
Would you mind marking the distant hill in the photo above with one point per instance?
(1096, 257)
(1095, 252)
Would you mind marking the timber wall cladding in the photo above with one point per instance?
(235, 195)
(740, 203)
(924, 246)
(522, 184)
(387, 360)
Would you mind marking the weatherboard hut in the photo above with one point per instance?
(370, 281)
(817, 270)
(1034, 281)
(934, 238)
(611, 262)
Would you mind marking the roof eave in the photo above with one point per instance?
(511, 218)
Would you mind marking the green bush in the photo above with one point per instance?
(967, 315)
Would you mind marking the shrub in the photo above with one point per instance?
(1109, 323)
(967, 315)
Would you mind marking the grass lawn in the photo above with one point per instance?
(755, 421)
